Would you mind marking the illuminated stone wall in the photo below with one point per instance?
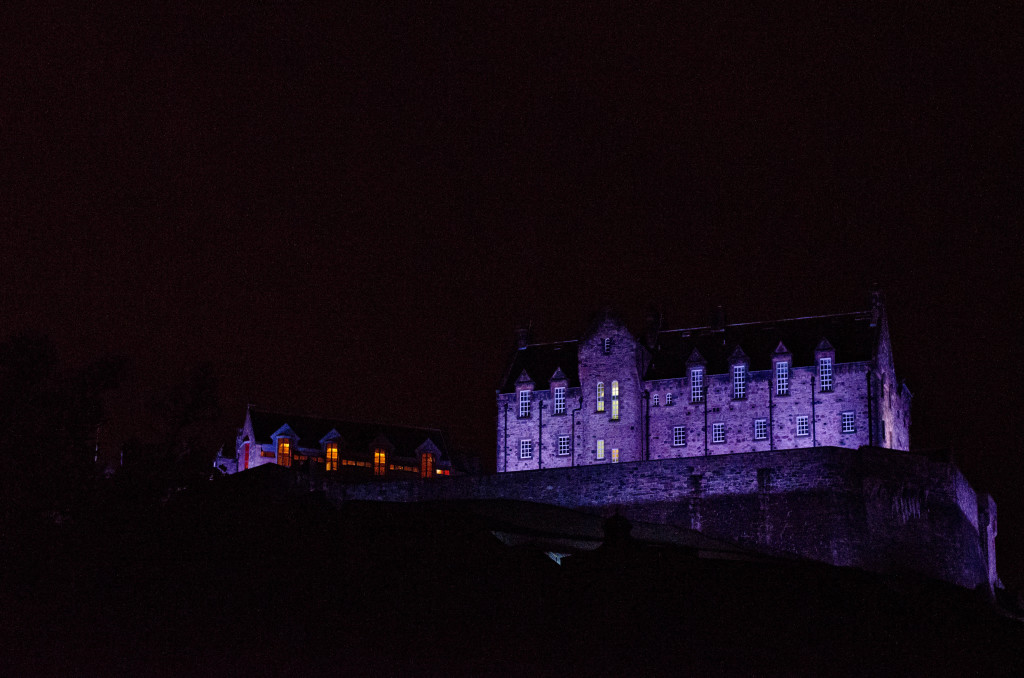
(876, 509)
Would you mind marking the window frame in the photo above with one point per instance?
(697, 385)
(600, 396)
(760, 429)
(803, 423)
(615, 400)
(331, 456)
(564, 446)
(559, 394)
(678, 436)
(825, 374)
(524, 403)
(739, 382)
(718, 432)
(284, 451)
(380, 461)
(526, 448)
(654, 400)
(852, 428)
(599, 452)
(782, 378)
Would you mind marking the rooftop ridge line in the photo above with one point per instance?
(772, 322)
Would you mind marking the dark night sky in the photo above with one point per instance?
(348, 208)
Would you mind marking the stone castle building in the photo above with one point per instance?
(610, 397)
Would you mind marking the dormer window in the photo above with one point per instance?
(380, 461)
(600, 396)
(697, 385)
(739, 382)
(559, 400)
(331, 455)
(782, 378)
(615, 400)
(284, 451)
(524, 403)
(606, 345)
(825, 374)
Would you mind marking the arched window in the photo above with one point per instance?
(332, 456)
(427, 466)
(600, 396)
(379, 461)
(284, 451)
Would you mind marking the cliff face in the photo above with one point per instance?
(876, 509)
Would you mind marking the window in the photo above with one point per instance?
(332, 456)
(284, 451)
(524, 404)
(825, 374)
(654, 400)
(526, 449)
(781, 378)
(615, 455)
(760, 429)
(427, 466)
(696, 385)
(559, 400)
(739, 382)
(563, 446)
(678, 436)
(615, 400)
(379, 461)
(607, 345)
(245, 456)
(718, 432)
(847, 421)
(802, 427)
(600, 449)
(600, 396)
(668, 399)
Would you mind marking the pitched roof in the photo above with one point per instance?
(541, 361)
(357, 436)
(852, 335)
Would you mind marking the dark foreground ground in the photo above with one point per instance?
(240, 580)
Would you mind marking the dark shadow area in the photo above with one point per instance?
(250, 576)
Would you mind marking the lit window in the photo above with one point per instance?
(825, 373)
(782, 378)
(718, 432)
(332, 456)
(525, 449)
(615, 400)
(607, 345)
(668, 399)
(245, 456)
(379, 461)
(654, 400)
(847, 420)
(563, 446)
(427, 466)
(560, 400)
(524, 403)
(600, 396)
(739, 382)
(600, 449)
(760, 429)
(802, 426)
(615, 455)
(284, 451)
(678, 436)
(697, 385)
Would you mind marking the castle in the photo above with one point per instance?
(723, 389)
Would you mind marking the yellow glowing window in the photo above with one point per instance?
(426, 466)
(600, 396)
(600, 449)
(379, 462)
(615, 409)
(284, 451)
(332, 456)
(615, 400)
(615, 389)
(615, 455)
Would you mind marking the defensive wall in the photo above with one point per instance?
(873, 508)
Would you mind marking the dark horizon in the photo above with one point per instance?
(348, 210)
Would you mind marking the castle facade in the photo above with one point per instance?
(610, 397)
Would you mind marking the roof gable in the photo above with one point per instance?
(542, 359)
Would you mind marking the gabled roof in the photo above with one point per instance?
(357, 436)
(541, 361)
(851, 334)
